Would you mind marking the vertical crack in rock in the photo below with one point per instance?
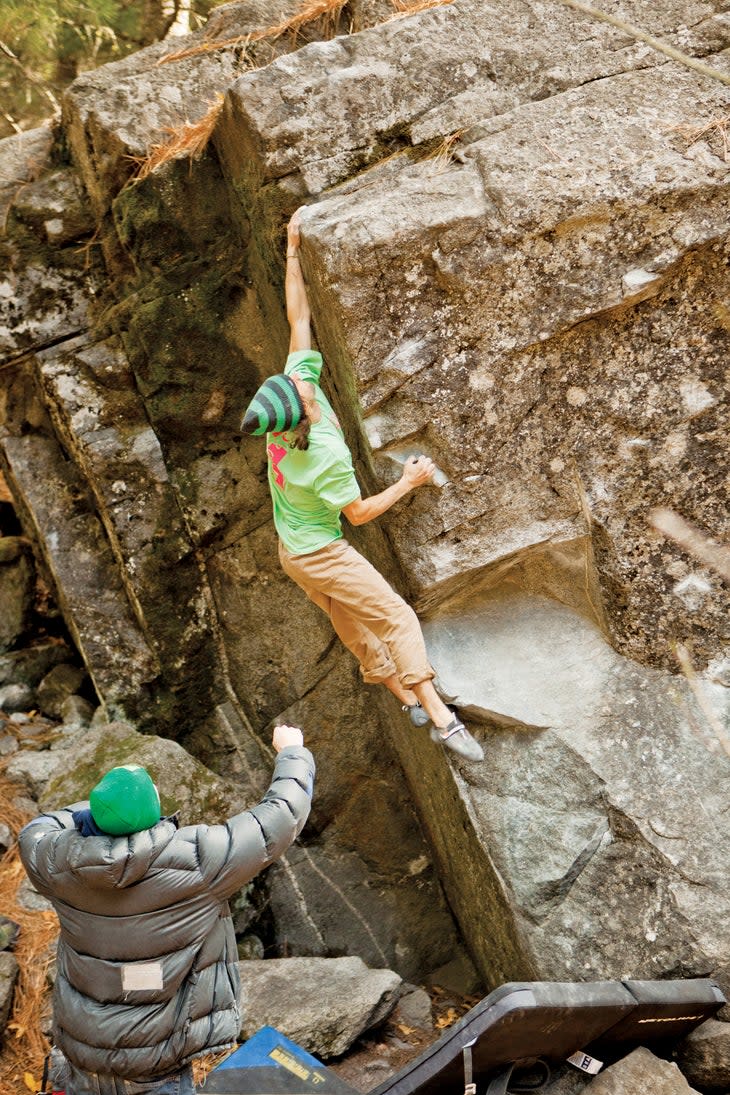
(341, 896)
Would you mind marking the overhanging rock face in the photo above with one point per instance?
(537, 303)
(517, 253)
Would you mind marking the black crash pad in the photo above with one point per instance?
(549, 1020)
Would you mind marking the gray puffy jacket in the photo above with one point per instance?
(147, 963)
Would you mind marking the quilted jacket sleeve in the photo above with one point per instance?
(36, 841)
(231, 854)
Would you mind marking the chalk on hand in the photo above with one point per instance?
(399, 456)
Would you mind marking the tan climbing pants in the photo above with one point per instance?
(374, 623)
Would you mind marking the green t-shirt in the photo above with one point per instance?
(309, 489)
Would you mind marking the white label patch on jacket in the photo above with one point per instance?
(142, 977)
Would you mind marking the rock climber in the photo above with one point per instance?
(312, 483)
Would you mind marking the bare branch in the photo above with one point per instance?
(12, 122)
(29, 76)
(685, 663)
(707, 551)
(655, 43)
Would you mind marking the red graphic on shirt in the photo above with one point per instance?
(276, 454)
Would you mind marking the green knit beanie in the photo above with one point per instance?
(125, 800)
(276, 406)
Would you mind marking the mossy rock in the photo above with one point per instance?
(185, 784)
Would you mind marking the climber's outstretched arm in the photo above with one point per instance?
(417, 470)
(297, 303)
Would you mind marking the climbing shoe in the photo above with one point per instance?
(416, 714)
(456, 736)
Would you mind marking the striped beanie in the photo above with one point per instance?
(276, 406)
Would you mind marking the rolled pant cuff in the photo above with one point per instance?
(409, 679)
(379, 674)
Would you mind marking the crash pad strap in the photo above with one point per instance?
(470, 1088)
(499, 1084)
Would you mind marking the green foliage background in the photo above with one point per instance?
(45, 44)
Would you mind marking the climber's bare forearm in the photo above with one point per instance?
(417, 471)
(297, 302)
(363, 510)
(297, 306)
